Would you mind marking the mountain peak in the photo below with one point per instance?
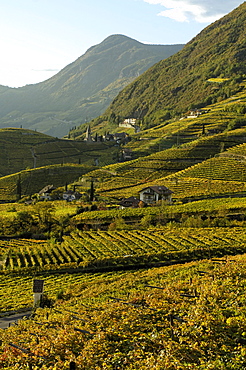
(82, 90)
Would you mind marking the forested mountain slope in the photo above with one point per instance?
(209, 68)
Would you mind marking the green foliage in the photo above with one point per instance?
(237, 123)
(239, 108)
(146, 221)
(182, 80)
(23, 221)
(118, 224)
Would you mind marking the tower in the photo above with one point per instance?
(88, 134)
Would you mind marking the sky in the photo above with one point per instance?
(40, 37)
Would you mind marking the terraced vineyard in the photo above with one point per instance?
(178, 317)
(126, 179)
(227, 166)
(32, 181)
(120, 248)
(184, 187)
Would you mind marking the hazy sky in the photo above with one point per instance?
(40, 37)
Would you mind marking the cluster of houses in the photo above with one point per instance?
(118, 137)
(68, 195)
(147, 196)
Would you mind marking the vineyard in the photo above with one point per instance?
(211, 207)
(32, 181)
(219, 168)
(182, 187)
(158, 287)
(176, 317)
(90, 250)
(190, 160)
(19, 146)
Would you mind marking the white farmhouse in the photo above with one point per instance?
(153, 194)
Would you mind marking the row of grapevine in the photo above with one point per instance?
(176, 317)
(82, 249)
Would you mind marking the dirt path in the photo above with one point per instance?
(7, 321)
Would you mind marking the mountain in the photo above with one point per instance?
(83, 89)
(208, 69)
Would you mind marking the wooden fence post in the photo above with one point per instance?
(72, 365)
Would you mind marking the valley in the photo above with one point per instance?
(134, 221)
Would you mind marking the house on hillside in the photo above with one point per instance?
(194, 113)
(108, 137)
(125, 155)
(70, 195)
(121, 137)
(44, 194)
(132, 202)
(130, 123)
(153, 194)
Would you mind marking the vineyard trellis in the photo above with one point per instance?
(95, 249)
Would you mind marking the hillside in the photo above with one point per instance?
(160, 156)
(29, 182)
(208, 69)
(191, 144)
(175, 317)
(26, 149)
(83, 89)
(153, 287)
(164, 147)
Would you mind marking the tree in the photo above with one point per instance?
(18, 188)
(59, 226)
(92, 191)
(24, 222)
(146, 221)
(44, 214)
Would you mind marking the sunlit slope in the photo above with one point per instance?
(155, 167)
(184, 316)
(223, 174)
(197, 75)
(229, 166)
(174, 147)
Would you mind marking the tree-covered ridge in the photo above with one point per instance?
(184, 79)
